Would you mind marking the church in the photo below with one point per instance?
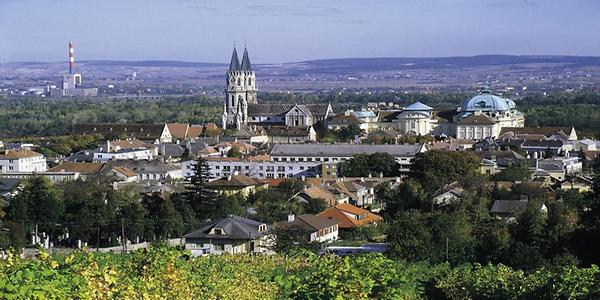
(241, 107)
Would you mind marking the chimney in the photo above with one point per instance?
(71, 58)
(362, 179)
(291, 218)
(228, 177)
(303, 178)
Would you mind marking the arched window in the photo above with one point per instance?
(239, 82)
(249, 81)
(232, 100)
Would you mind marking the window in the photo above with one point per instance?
(260, 168)
(301, 168)
(218, 247)
(218, 231)
(290, 168)
(216, 167)
(246, 167)
(280, 169)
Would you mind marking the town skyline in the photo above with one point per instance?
(295, 31)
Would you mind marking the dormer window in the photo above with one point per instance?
(217, 231)
(262, 227)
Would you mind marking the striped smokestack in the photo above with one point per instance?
(71, 58)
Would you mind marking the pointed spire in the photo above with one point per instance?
(235, 62)
(246, 66)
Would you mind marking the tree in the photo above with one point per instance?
(37, 203)
(409, 195)
(199, 196)
(409, 237)
(234, 152)
(436, 168)
(364, 164)
(350, 132)
(162, 220)
(513, 173)
(314, 206)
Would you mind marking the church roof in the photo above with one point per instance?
(418, 106)
(273, 109)
(246, 66)
(235, 62)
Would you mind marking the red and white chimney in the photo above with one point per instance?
(71, 58)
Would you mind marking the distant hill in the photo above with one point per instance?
(400, 63)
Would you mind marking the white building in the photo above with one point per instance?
(335, 153)
(22, 160)
(124, 154)
(257, 166)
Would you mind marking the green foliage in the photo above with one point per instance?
(198, 195)
(362, 165)
(170, 273)
(436, 168)
(513, 174)
(50, 117)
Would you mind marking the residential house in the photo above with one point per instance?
(84, 169)
(317, 229)
(350, 217)
(329, 195)
(147, 169)
(22, 160)
(237, 184)
(510, 209)
(233, 235)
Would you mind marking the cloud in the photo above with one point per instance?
(297, 10)
(512, 3)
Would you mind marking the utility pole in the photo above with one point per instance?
(98, 239)
(446, 248)
(123, 235)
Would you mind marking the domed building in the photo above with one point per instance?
(485, 115)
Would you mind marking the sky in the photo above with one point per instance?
(294, 30)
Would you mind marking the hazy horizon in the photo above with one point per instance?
(294, 31)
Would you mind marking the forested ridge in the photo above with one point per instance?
(48, 117)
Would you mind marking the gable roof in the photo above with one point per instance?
(308, 222)
(350, 216)
(547, 131)
(508, 206)
(418, 106)
(275, 109)
(318, 192)
(124, 171)
(79, 167)
(178, 130)
(233, 228)
(344, 120)
(139, 131)
(235, 181)
(477, 119)
(18, 153)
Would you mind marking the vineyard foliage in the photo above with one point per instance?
(169, 273)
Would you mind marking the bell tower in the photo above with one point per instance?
(241, 90)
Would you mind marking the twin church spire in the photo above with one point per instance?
(235, 65)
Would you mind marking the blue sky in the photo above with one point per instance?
(294, 30)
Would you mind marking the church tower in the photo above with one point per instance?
(241, 90)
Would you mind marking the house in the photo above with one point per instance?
(349, 216)
(125, 149)
(317, 229)
(83, 168)
(233, 235)
(329, 195)
(543, 147)
(145, 132)
(146, 169)
(242, 147)
(290, 135)
(124, 174)
(510, 209)
(22, 160)
(237, 184)
(178, 131)
(449, 194)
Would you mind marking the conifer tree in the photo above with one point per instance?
(200, 197)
